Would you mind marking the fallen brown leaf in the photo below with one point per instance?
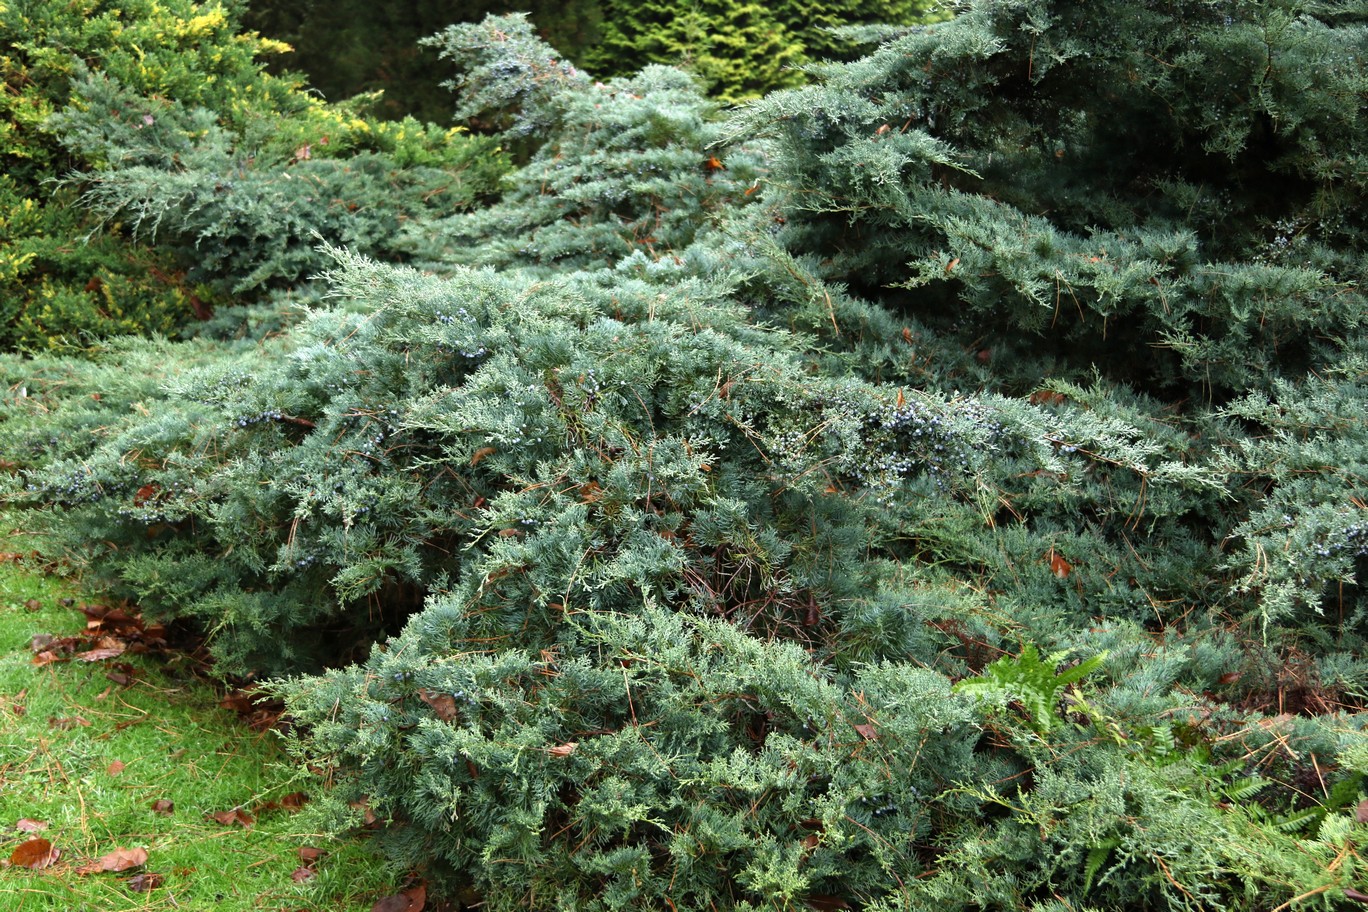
(108, 649)
(868, 732)
(563, 750)
(48, 649)
(1361, 812)
(443, 705)
(35, 854)
(302, 873)
(68, 722)
(30, 826)
(257, 710)
(145, 882)
(368, 817)
(33, 605)
(291, 802)
(115, 620)
(163, 806)
(122, 860)
(115, 768)
(1046, 397)
(236, 815)
(308, 854)
(411, 900)
(241, 702)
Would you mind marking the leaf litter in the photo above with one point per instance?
(109, 633)
(236, 815)
(412, 899)
(145, 882)
(35, 854)
(116, 861)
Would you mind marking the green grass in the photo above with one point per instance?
(177, 744)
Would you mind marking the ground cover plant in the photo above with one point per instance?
(938, 485)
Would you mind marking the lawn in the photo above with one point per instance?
(134, 752)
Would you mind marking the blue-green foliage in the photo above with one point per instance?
(248, 210)
(682, 544)
(1087, 185)
(1304, 545)
(645, 758)
(626, 166)
(470, 428)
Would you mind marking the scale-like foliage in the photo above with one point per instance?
(645, 760)
(1305, 544)
(1168, 194)
(537, 443)
(248, 210)
(622, 167)
(683, 544)
(62, 284)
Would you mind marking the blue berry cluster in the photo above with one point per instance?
(470, 349)
(1353, 543)
(243, 421)
(71, 488)
(305, 562)
(911, 438)
(878, 805)
(592, 386)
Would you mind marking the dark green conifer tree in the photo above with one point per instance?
(1165, 194)
(738, 50)
(349, 47)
